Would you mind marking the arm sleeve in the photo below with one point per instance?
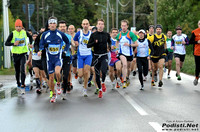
(109, 41)
(36, 43)
(172, 42)
(9, 39)
(66, 40)
(91, 42)
(41, 45)
(192, 39)
(151, 47)
(30, 38)
(76, 36)
(187, 40)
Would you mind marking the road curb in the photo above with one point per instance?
(8, 92)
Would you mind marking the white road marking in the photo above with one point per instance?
(139, 109)
(156, 126)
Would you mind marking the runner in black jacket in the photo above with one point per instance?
(100, 41)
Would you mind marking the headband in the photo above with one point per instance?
(178, 28)
(151, 26)
(52, 21)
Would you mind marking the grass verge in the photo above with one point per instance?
(188, 66)
(10, 71)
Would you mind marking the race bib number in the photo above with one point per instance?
(54, 49)
(178, 42)
(21, 41)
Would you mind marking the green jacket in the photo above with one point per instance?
(21, 37)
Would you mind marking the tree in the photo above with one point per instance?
(171, 13)
(11, 21)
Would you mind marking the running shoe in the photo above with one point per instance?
(160, 83)
(51, 94)
(152, 83)
(103, 87)
(168, 76)
(44, 84)
(80, 80)
(134, 73)
(195, 82)
(85, 92)
(127, 82)
(100, 94)
(145, 78)
(63, 96)
(38, 90)
(124, 85)
(22, 90)
(142, 87)
(179, 78)
(117, 85)
(176, 74)
(97, 91)
(121, 79)
(76, 76)
(113, 86)
(71, 86)
(92, 83)
(53, 99)
(59, 90)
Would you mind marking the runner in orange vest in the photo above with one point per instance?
(195, 40)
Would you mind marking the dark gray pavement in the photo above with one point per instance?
(129, 110)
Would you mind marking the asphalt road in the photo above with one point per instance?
(120, 110)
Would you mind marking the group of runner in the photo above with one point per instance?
(90, 52)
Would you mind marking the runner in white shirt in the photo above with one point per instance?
(84, 54)
(179, 41)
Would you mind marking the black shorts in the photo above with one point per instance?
(129, 58)
(38, 64)
(169, 57)
(74, 61)
(181, 57)
(155, 60)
